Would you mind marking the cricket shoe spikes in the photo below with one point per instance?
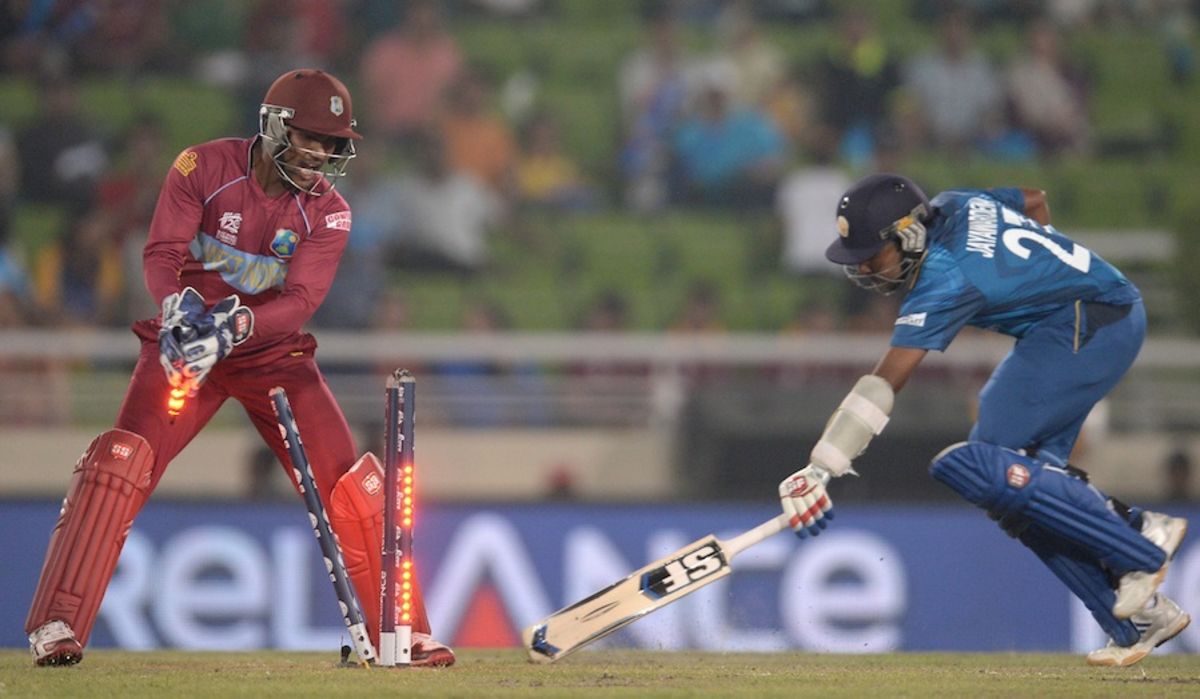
(427, 652)
(1158, 623)
(1136, 588)
(53, 643)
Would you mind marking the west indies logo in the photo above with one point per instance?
(284, 243)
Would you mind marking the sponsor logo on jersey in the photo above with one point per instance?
(284, 243)
(186, 162)
(1018, 476)
(914, 319)
(244, 271)
(228, 227)
(339, 221)
(120, 451)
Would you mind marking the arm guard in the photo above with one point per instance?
(862, 415)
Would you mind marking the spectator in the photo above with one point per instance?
(522, 9)
(13, 291)
(1178, 468)
(88, 262)
(280, 35)
(653, 88)
(813, 315)
(406, 71)
(546, 176)
(470, 385)
(792, 107)
(42, 35)
(857, 80)
(375, 193)
(129, 37)
(593, 380)
(958, 95)
(447, 213)
(701, 312)
(477, 141)
(806, 197)
(1048, 95)
(60, 155)
(10, 180)
(393, 313)
(607, 313)
(90, 280)
(561, 482)
(727, 155)
(123, 207)
(14, 284)
(757, 63)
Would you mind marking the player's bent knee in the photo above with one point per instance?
(990, 476)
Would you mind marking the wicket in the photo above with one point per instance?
(396, 586)
(332, 552)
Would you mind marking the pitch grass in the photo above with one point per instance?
(505, 673)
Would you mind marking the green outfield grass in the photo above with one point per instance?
(601, 674)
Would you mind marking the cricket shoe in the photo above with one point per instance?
(1157, 624)
(1136, 588)
(53, 643)
(427, 652)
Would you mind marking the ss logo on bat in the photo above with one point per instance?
(687, 569)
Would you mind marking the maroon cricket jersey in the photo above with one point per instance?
(215, 230)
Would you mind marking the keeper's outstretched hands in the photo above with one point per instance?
(190, 346)
(805, 501)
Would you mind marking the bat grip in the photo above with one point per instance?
(745, 540)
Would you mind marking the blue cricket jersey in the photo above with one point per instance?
(992, 267)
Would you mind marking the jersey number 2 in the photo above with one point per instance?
(1079, 257)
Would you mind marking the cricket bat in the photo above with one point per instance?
(653, 587)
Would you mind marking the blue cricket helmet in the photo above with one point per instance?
(868, 212)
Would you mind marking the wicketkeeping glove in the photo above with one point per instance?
(183, 309)
(188, 352)
(805, 501)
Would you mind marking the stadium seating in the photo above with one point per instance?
(547, 268)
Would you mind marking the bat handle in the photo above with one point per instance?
(769, 528)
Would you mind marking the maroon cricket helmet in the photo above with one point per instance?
(317, 101)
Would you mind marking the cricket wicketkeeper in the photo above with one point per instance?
(243, 248)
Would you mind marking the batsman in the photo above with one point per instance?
(989, 258)
(243, 247)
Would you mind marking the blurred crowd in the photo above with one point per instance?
(712, 113)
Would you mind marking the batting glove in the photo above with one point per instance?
(805, 501)
(911, 233)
